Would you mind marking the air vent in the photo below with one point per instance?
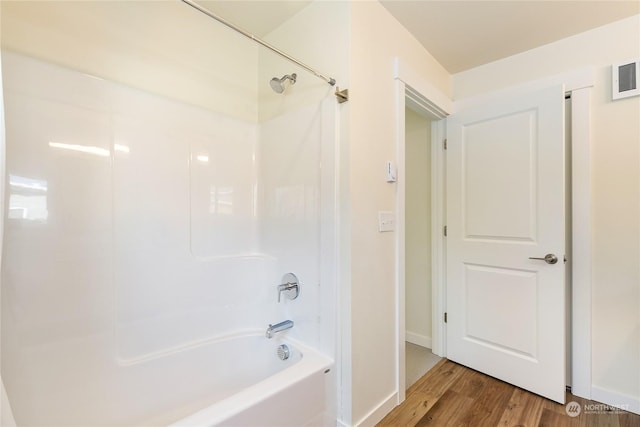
(625, 77)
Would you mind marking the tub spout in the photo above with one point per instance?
(272, 329)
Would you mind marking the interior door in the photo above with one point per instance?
(505, 213)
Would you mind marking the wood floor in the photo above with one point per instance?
(453, 395)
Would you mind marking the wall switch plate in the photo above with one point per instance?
(386, 221)
(392, 172)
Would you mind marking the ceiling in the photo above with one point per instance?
(465, 34)
(459, 34)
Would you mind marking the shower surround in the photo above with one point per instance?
(141, 231)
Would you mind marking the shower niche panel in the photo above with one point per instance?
(223, 191)
(186, 263)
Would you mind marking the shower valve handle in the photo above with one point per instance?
(290, 286)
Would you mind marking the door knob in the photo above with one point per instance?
(548, 258)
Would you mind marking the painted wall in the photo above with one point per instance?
(418, 229)
(615, 190)
(376, 39)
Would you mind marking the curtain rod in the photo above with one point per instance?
(223, 21)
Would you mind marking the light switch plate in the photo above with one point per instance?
(386, 221)
(392, 172)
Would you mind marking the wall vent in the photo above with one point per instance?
(625, 77)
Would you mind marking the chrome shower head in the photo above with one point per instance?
(277, 84)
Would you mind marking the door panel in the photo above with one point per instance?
(505, 204)
(493, 186)
(517, 293)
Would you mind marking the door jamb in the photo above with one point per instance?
(412, 88)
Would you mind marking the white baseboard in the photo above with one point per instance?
(378, 413)
(417, 339)
(615, 399)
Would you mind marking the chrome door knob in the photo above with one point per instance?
(548, 258)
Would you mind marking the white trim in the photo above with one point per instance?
(412, 90)
(581, 244)
(400, 285)
(572, 81)
(434, 101)
(619, 400)
(379, 412)
(438, 241)
(418, 339)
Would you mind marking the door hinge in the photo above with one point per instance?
(445, 317)
(444, 144)
(444, 231)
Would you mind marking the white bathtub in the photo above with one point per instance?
(255, 388)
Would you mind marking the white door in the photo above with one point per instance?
(505, 204)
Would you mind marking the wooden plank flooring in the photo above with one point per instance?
(453, 395)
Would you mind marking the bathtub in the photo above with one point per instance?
(254, 388)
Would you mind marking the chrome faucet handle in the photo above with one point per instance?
(290, 286)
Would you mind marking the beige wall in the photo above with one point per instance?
(376, 39)
(615, 195)
(317, 35)
(418, 228)
(166, 48)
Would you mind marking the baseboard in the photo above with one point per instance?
(615, 399)
(417, 339)
(378, 413)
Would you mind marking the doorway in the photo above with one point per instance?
(418, 242)
(411, 90)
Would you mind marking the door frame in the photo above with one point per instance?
(414, 90)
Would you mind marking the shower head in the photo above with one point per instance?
(277, 84)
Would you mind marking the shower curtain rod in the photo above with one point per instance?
(199, 8)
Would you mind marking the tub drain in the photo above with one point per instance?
(283, 352)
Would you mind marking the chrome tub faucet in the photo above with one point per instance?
(290, 287)
(278, 327)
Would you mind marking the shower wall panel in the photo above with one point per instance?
(185, 244)
(298, 143)
(130, 234)
(290, 147)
